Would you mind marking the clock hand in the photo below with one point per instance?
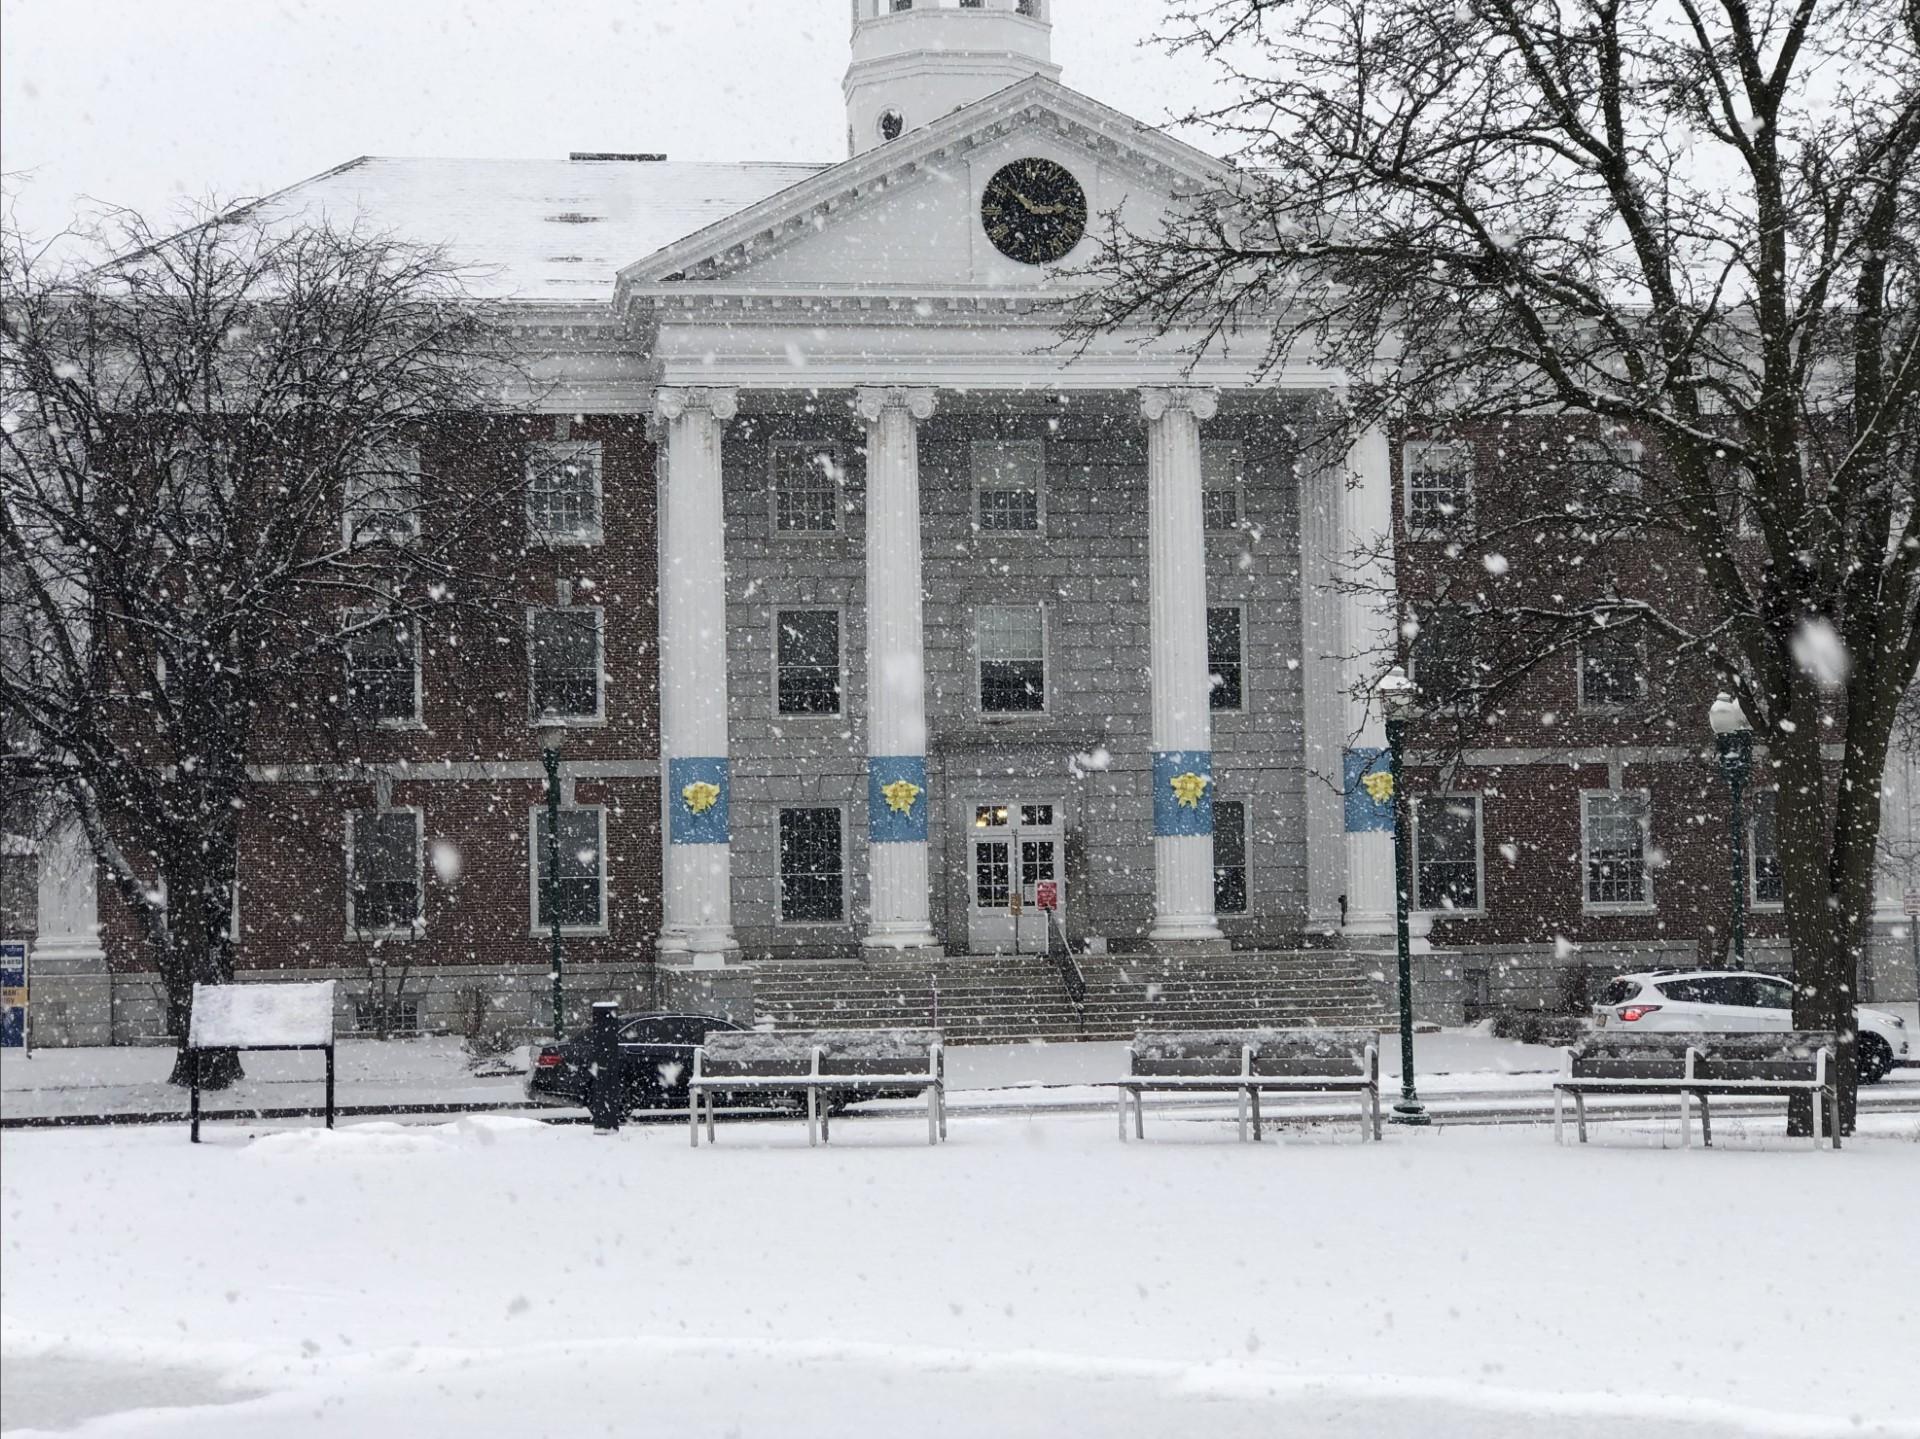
(1033, 209)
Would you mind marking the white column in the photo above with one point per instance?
(1322, 481)
(68, 903)
(898, 802)
(696, 900)
(1367, 640)
(1182, 736)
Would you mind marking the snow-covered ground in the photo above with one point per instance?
(1033, 1277)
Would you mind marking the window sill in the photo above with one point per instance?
(812, 924)
(1445, 914)
(568, 931)
(567, 542)
(1644, 908)
(400, 726)
(567, 722)
(384, 936)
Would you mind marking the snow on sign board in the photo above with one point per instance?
(261, 1015)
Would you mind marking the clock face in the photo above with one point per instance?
(1034, 211)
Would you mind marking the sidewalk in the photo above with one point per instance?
(1462, 1074)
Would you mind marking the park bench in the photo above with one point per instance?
(1694, 1066)
(1252, 1062)
(819, 1064)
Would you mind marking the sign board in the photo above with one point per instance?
(257, 1016)
(1913, 901)
(1046, 894)
(13, 993)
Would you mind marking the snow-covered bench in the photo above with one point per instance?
(1252, 1062)
(819, 1064)
(1695, 1065)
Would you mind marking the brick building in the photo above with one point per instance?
(868, 612)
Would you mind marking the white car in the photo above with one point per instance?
(1733, 1001)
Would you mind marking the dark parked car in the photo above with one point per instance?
(657, 1059)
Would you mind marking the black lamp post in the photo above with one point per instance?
(1733, 738)
(1397, 697)
(551, 739)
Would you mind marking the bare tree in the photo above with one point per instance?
(236, 486)
(1695, 223)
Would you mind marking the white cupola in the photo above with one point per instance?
(916, 60)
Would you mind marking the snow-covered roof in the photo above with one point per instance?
(555, 231)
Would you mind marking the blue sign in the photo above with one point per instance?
(1369, 790)
(897, 799)
(697, 800)
(1182, 791)
(13, 993)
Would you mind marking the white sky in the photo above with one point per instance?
(143, 102)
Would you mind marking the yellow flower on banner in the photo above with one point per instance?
(1188, 787)
(1379, 784)
(701, 795)
(901, 794)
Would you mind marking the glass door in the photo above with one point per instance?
(1014, 850)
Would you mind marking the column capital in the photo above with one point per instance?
(670, 402)
(869, 401)
(1156, 400)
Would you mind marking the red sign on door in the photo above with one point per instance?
(1046, 894)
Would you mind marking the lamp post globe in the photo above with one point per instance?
(1733, 741)
(552, 738)
(1399, 697)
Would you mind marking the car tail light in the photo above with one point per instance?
(1637, 1011)
(549, 1059)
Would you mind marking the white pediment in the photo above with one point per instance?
(904, 219)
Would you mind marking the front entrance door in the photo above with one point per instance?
(1014, 848)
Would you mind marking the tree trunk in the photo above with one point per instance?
(200, 893)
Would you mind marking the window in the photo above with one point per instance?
(807, 661)
(1225, 666)
(1763, 848)
(383, 873)
(383, 499)
(1441, 657)
(199, 490)
(563, 650)
(1012, 654)
(1613, 667)
(1604, 475)
(1439, 489)
(1222, 472)
(1615, 838)
(563, 492)
(807, 481)
(383, 670)
(812, 867)
(1229, 857)
(1007, 484)
(580, 892)
(1446, 852)
(1771, 993)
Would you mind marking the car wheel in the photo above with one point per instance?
(1874, 1056)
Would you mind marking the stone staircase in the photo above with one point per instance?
(998, 999)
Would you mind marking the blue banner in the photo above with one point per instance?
(697, 800)
(897, 799)
(1182, 792)
(13, 993)
(1369, 790)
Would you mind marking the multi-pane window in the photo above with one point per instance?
(563, 651)
(1012, 646)
(1222, 468)
(383, 872)
(1763, 848)
(578, 888)
(1446, 852)
(807, 661)
(383, 670)
(812, 867)
(1615, 840)
(1439, 489)
(808, 480)
(1613, 667)
(1229, 857)
(199, 490)
(1605, 474)
(1442, 658)
(383, 498)
(1008, 476)
(1226, 666)
(563, 492)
